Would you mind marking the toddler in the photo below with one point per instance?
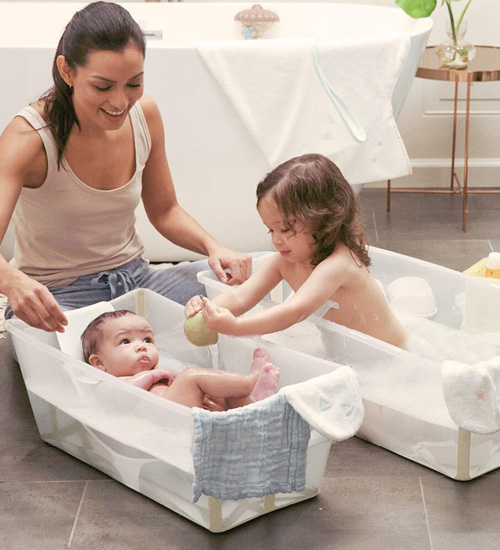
(312, 215)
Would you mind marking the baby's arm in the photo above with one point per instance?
(147, 378)
(244, 297)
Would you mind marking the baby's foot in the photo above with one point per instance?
(260, 358)
(267, 382)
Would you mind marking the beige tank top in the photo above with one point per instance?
(65, 229)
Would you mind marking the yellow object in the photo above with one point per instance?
(198, 333)
(479, 270)
(493, 265)
(494, 273)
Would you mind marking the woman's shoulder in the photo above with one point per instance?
(149, 108)
(152, 115)
(21, 134)
(39, 107)
(23, 146)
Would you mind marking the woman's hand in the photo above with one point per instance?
(34, 304)
(238, 263)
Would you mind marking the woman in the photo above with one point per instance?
(73, 167)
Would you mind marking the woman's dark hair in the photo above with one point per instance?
(99, 26)
(310, 189)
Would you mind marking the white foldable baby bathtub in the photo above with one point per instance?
(138, 438)
(406, 411)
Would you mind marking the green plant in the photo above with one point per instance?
(424, 8)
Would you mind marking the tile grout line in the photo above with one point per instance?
(77, 515)
(426, 515)
(53, 480)
(375, 227)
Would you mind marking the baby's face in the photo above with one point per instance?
(127, 346)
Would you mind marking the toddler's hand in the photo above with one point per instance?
(219, 318)
(194, 305)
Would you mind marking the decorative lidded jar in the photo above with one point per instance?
(256, 21)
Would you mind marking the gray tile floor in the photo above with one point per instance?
(370, 498)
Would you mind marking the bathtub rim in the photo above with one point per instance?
(416, 27)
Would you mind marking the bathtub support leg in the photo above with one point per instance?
(215, 515)
(269, 503)
(463, 455)
(140, 303)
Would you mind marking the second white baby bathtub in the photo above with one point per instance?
(438, 405)
(144, 441)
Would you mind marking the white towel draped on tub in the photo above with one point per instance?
(472, 394)
(300, 96)
(261, 449)
(330, 403)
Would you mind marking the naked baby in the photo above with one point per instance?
(122, 343)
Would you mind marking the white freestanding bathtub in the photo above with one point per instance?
(215, 162)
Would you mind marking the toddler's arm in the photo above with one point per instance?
(269, 320)
(314, 292)
(244, 297)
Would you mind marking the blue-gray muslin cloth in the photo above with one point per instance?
(252, 451)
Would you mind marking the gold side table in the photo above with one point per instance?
(485, 67)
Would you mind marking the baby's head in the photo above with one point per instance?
(311, 191)
(120, 342)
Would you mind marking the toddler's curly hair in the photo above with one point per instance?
(312, 190)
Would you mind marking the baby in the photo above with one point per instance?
(122, 343)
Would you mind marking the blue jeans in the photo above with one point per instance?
(179, 283)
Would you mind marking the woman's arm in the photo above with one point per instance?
(23, 164)
(170, 219)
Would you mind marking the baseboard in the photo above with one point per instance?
(437, 174)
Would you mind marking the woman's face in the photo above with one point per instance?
(106, 87)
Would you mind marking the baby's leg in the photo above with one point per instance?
(260, 358)
(192, 385)
(266, 384)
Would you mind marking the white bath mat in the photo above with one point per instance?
(413, 295)
(78, 320)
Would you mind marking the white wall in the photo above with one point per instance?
(427, 116)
